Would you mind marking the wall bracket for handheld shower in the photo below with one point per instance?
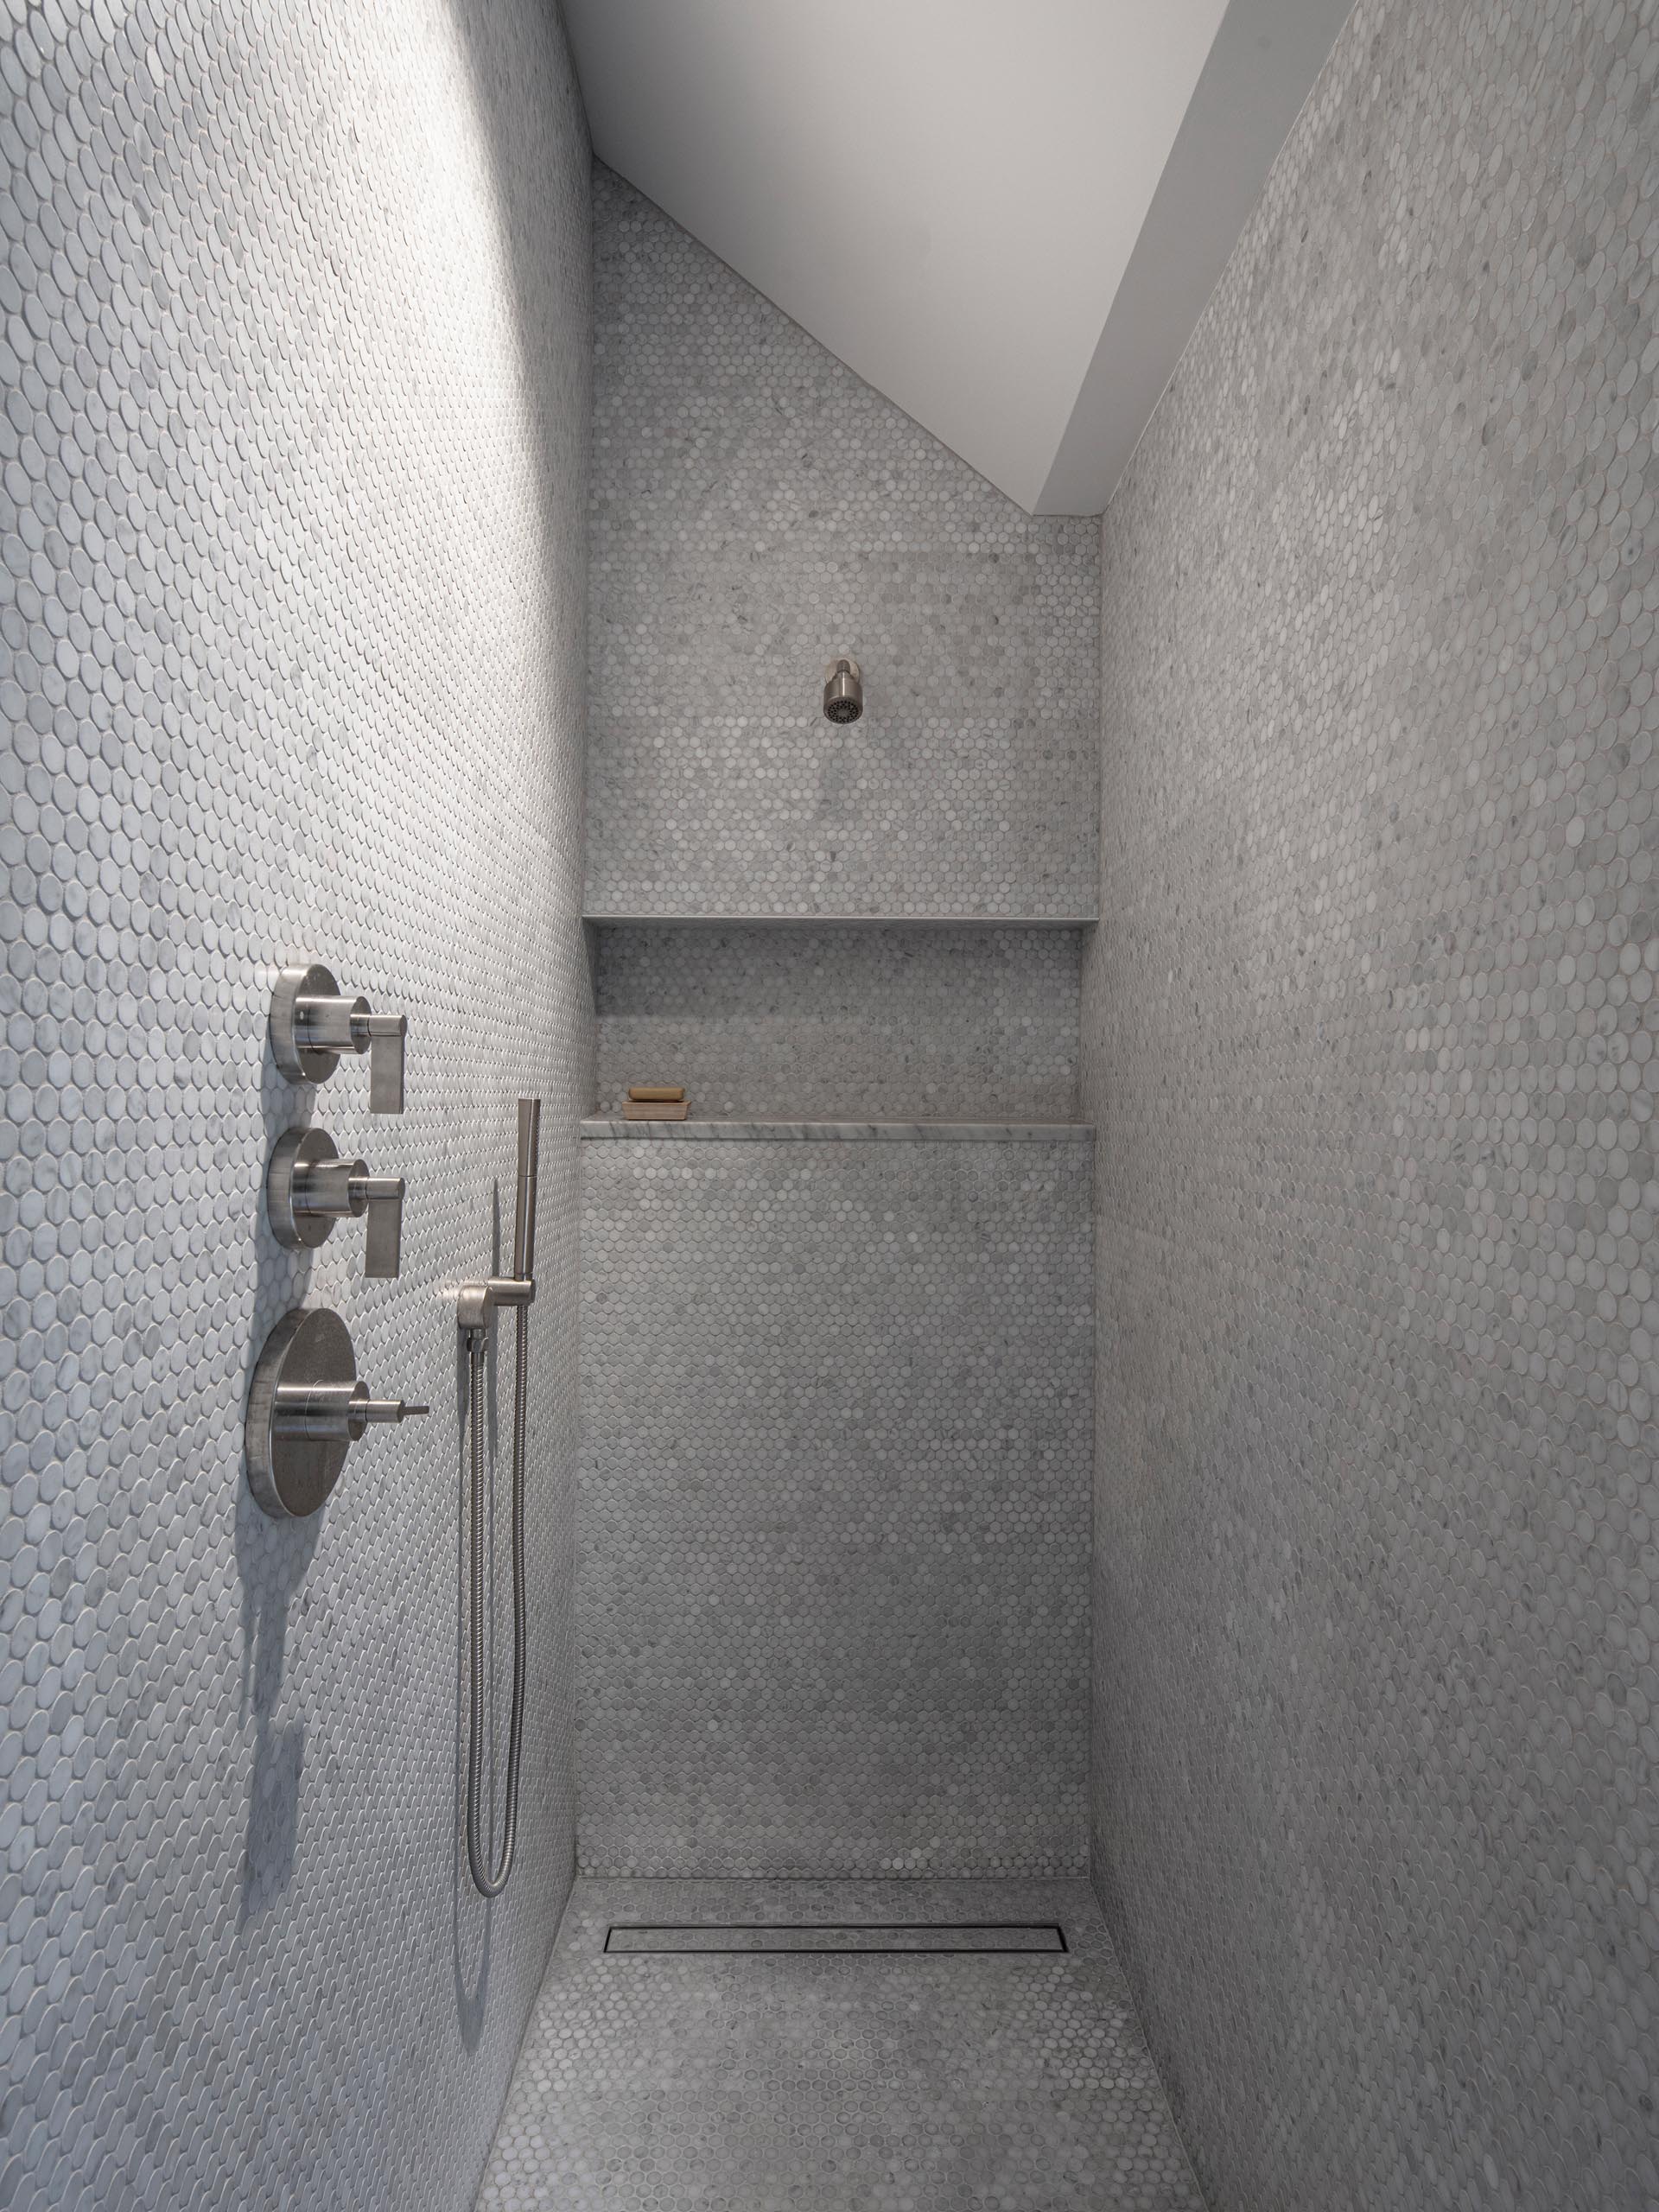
(477, 1301)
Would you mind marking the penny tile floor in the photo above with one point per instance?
(1015, 2081)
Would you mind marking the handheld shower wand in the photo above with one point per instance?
(476, 1304)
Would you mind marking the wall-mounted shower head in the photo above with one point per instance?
(843, 690)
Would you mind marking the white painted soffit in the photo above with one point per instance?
(1006, 215)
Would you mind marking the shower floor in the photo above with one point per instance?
(1009, 2081)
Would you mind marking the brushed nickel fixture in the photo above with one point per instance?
(308, 1187)
(306, 1407)
(312, 1023)
(843, 690)
(476, 1304)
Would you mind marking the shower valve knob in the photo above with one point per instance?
(306, 1407)
(312, 1023)
(335, 1412)
(308, 1187)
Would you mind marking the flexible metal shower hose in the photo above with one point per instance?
(488, 1881)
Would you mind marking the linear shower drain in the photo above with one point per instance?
(852, 1938)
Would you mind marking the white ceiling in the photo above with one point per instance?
(1005, 214)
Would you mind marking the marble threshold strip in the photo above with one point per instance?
(604, 1127)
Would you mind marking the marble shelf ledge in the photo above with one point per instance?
(847, 921)
(603, 1128)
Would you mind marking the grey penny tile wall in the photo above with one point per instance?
(295, 356)
(834, 1508)
(1370, 1033)
(756, 509)
(868, 1023)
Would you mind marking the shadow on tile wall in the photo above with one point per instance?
(271, 1562)
(1369, 1034)
(294, 541)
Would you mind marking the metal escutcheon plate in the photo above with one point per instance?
(298, 1063)
(294, 1151)
(291, 1477)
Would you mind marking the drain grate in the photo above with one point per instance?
(851, 1938)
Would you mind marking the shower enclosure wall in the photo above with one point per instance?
(1370, 1028)
(837, 1377)
(295, 354)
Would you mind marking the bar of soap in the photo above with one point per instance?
(656, 1094)
(656, 1109)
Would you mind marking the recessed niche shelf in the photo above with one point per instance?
(607, 1127)
(847, 921)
